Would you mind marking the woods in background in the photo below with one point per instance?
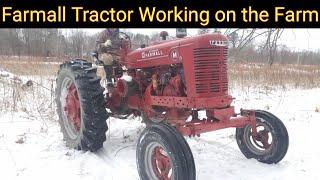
(246, 45)
(44, 42)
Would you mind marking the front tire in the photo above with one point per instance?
(272, 141)
(80, 106)
(163, 153)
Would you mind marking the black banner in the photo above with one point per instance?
(159, 13)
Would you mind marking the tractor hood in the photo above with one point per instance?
(173, 51)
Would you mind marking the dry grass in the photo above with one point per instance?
(240, 75)
(30, 66)
(277, 75)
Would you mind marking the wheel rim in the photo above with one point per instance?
(71, 110)
(263, 142)
(158, 163)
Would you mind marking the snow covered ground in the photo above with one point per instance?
(31, 146)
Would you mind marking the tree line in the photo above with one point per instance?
(246, 45)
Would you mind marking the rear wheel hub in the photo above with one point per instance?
(72, 107)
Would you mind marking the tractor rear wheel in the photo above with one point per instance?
(163, 154)
(80, 106)
(271, 143)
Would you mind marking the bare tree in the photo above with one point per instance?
(234, 38)
(77, 40)
(273, 35)
(242, 38)
(15, 42)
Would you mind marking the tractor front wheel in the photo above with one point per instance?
(164, 154)
(81, 106)
(270, 144)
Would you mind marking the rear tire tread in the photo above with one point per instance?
(93, 114)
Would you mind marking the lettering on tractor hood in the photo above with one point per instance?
(151, 53)
(218, 43)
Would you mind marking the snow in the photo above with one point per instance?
(8, 77)
(31, 145)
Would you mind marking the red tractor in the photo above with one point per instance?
(167, 84)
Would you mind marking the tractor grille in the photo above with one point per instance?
(210, 65)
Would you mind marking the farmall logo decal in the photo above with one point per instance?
(175, 56)
(151, 53)
(218, 43)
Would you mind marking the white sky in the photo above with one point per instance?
(295, 39)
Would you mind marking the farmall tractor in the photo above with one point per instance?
(167, 84)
